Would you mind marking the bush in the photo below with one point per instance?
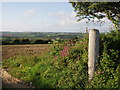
(25, 41)
(15, 41)
(41, 41)
(69, 65)
(106, 75)
(110, 40)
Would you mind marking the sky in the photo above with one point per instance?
(45, 17)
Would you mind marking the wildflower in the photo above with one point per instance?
(65, 52)
(102, 71)
(55, 57)
(98, 72)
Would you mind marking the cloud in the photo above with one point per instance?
(29, 13)
(60, 21)
(59, 14)
(64, 18)
(68, 21)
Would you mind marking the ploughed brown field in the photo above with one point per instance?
(15, 50)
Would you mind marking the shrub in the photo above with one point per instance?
(41, 41)
(25, 41)
(15, 41)
(106, 75)
(69, 65)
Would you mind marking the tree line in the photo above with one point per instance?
(18, 41)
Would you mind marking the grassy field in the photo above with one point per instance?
(18, 60)
(29, 50)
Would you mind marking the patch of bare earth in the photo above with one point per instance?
(10, 82)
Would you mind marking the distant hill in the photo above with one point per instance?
(42, 35)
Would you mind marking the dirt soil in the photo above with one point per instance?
(10, 82)
(15, 50)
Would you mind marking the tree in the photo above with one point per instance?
(99, 10)
(15, 41)
(6, 40)
(38, 41)
(25, 41)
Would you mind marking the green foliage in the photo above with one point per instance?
(41, 41)
(92, 10)
(107, 72)
(18, 41)
(69, 66)
(66, 65)
(5, 40)
(36, 37)
(61, 72)
(15, 41)
(110, 41)
(106, 75)
(25, 41)
(58, 41)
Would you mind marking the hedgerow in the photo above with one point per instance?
(66, 65)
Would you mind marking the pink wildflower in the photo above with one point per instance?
(55, 57)
(98, 72)
(102, 71)
(65, 51)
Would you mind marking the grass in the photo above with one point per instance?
(27, 62)
(30, 69)
(38, 68)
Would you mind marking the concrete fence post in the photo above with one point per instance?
(93, 51)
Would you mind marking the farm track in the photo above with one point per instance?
(14, 50)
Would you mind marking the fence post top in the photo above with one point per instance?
(94, 30)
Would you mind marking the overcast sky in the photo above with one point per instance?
(45, 17)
